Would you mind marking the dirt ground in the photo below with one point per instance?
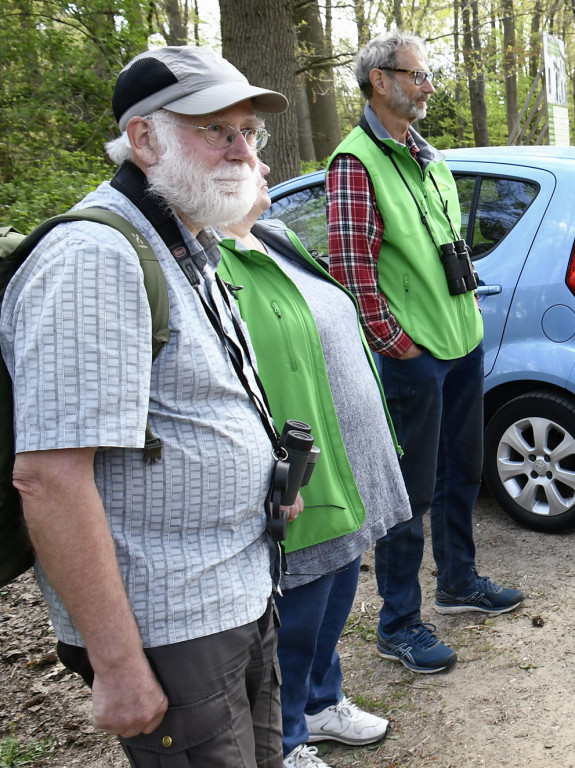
(508, 702)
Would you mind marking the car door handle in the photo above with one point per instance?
(488, 290)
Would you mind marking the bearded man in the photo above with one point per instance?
(393, 215)
(157, 575)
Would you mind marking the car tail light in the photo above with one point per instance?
(570, 276)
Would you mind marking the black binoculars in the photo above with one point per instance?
(297, 457)
(302, 455)
(458, 268)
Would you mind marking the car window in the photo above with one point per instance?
(490, 207)
(304, 213)
(465, 190)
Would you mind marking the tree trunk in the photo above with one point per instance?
(258, 38)
(480, 121)
(535, 41)
(397, 15)
(304, 134)
(196, 18)
(475, 77)
(510, 69)
(459, 123)
(177, 15)
(319, 82)
(328, 27)
(361, 23)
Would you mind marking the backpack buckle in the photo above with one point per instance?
(152, 450)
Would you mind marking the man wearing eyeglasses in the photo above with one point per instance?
(393, 219)
(157, 575)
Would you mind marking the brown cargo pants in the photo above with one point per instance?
(224, 699)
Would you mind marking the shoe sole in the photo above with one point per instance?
(315, 738)
(453, 609)
(420, 670)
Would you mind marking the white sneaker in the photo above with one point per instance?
(347, 723)
(304, 757)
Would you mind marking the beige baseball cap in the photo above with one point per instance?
(187, 79)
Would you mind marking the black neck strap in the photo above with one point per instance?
(132, 183)
(365, 126)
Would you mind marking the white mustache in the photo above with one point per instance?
(234, 173)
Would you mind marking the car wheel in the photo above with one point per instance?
(529, 460)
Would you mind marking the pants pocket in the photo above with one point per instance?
(183, 728)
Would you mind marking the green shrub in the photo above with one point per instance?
(45, 190)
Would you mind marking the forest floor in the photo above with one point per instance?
(508, 703)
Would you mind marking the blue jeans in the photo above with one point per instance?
(312, 619)
(437, 410)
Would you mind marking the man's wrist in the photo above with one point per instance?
(399, 347)
(413, 351)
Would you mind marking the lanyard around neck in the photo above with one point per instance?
(365, 126)
(132, 183)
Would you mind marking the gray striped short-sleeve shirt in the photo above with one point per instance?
(75, 333)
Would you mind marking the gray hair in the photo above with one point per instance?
(120, 149)
(382, 52)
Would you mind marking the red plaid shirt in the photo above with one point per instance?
(355, 230)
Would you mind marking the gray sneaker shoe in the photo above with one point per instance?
(304, 757)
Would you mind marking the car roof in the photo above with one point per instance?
(514, 152)
(534, 155)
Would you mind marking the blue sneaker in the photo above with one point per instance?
(417, 648)
(481, 595)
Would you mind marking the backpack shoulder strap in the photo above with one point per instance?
(154, 280)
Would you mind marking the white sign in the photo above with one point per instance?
(556, 90)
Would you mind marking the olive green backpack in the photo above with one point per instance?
(16, 554)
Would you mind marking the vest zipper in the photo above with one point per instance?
(285, 333)
(461, 315)
(407, 296)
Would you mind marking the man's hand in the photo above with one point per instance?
(412, 351)
(295, 509)
(72, 539)
(128, 701)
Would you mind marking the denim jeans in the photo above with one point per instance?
(437, 410)
(312, 619)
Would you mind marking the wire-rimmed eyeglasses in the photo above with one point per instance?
(419, 76)
(221, 135)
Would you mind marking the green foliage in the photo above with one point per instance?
(307, 166)
(350, 102)
(59, 63)
(13, 753)
(47, 189)
(440, 126)
(449, 121)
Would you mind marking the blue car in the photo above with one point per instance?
(518, 206)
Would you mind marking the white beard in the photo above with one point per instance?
(203, 197)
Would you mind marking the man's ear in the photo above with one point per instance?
(378, 81)
(143, 141)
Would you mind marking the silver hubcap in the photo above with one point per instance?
(536, 465)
